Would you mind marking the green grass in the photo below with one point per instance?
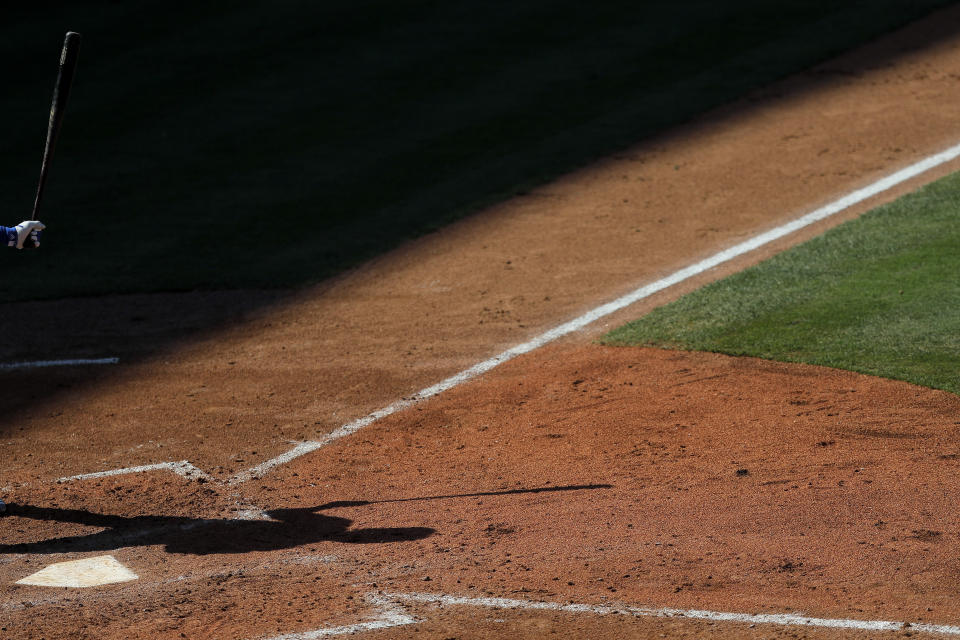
(878, 295)
(256, 144)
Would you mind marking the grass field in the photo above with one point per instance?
(878, 295)
(278, 144)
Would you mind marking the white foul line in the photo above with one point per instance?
(391, 615)
(37, 364)
(884, 184)
(303, 448)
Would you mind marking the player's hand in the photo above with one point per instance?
(28, 234)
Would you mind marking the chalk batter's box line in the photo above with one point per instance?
(182, 468)
(41, 364)
(392, 613)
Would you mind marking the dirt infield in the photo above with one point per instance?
(584, 474)
(609, 478)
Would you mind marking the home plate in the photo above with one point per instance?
(89, 572)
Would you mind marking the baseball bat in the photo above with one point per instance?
(61, 91)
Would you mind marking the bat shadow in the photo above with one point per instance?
(281, 529)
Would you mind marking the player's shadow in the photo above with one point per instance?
(285, 528)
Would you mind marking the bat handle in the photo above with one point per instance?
(28, 243)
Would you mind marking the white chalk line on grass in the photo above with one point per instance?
(303, 448)
(391, 614)
(39, 364)
(878, 187)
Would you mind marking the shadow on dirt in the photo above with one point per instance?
(278, 145)
(285, 529)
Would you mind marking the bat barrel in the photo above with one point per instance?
(61, 91)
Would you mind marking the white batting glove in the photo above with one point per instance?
(28, 233)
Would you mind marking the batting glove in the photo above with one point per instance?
(25, 234)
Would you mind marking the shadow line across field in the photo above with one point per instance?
(212, 162)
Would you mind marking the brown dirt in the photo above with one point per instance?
(712, 482)
(843, 509)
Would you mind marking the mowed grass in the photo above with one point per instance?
(878, 295)
(273, 144)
